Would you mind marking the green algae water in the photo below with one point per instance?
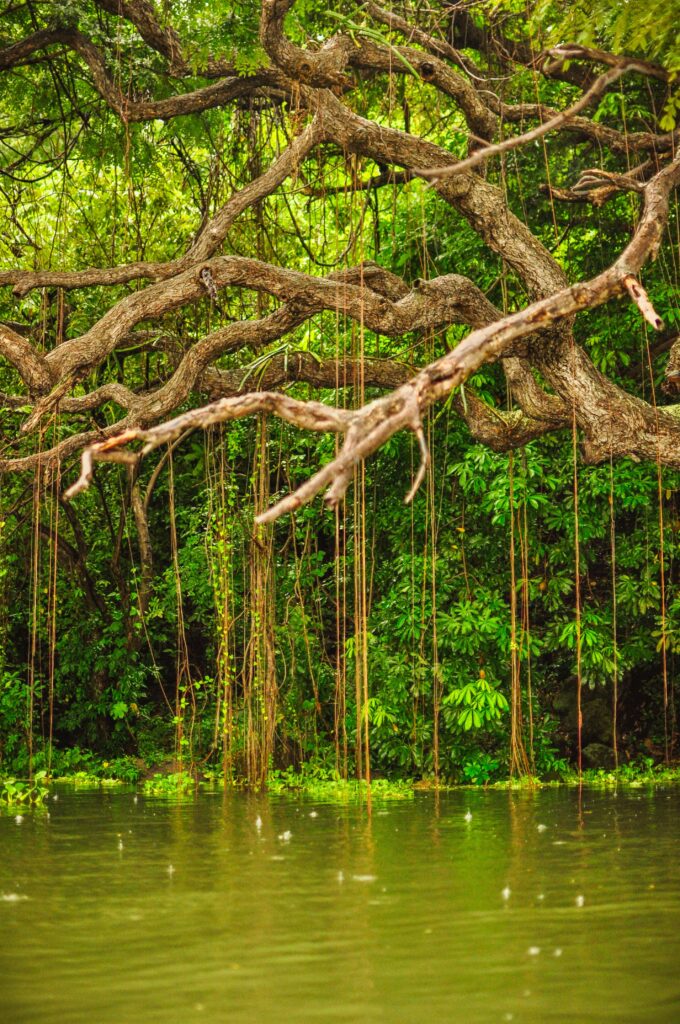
(474, 907)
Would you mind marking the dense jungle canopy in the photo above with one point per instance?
(252, 254)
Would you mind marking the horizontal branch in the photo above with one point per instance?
(208, 242)
(206, 98)
(443, 301)
(162, 38)
(287, 368)
(308, 415)
(370, 427)
(317, 80)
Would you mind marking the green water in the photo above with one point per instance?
(119, 911)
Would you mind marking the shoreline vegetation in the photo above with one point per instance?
(312, 781)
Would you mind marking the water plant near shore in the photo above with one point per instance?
(22, 792)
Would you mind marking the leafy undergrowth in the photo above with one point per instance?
(643, 773)
(88, 780)
(83, 767)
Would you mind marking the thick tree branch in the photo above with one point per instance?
(370, 427)
(319, 82)
(595, 92)
(31, 367)
(164, 39)
(130, 111)
(500, 430)
(448, 299)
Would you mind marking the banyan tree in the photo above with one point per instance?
(203, 221)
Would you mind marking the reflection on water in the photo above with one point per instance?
(473, 908)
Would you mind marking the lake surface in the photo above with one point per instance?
(116, 911)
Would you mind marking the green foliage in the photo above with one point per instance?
(84, 766)
(13, 714)
(649, 29)
(479, 704)
(481, 770)
(175, 784)
(641, 772)
(327, 785)
(15, 792)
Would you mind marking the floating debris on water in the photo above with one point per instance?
(506, 893)
(19, 818)
(313, 814)
(341, 876)
(364, 878)
(541, 896)
(258, 823)
(541, 828)
(468, 816)
(286, 836)
(534, 950)
(557, 951)
(580, 900)
(13, 897)
(170, 870)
